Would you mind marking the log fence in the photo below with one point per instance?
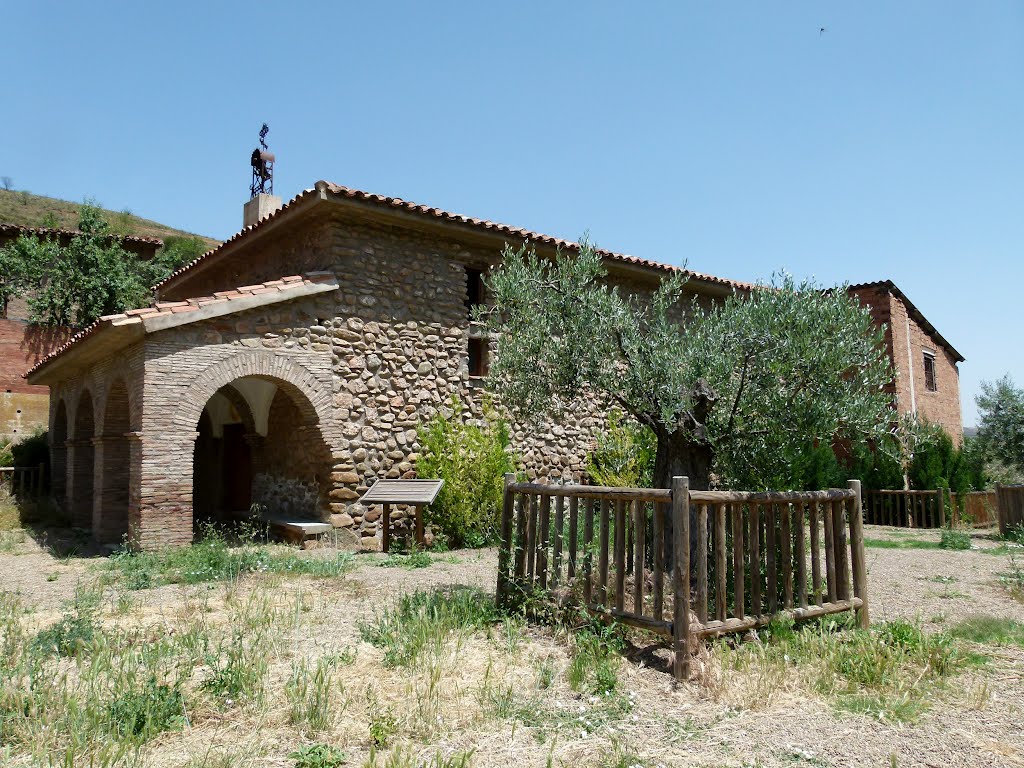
(906, 509)
(22, 481)
(1011, 508)
(683, 563)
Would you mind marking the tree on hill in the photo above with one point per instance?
(92, 276)
(1001, 425)
(740, 390)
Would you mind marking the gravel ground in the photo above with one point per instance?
(763, 722)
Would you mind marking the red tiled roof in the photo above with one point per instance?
(516, 233)
(283, 285)
(18, 229)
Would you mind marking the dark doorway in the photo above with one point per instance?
(236, 470)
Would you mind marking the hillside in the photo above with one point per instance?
(26, 209)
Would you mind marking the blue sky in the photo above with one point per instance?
(734, 137)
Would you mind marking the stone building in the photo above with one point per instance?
(24, 407)
(928, 380)
(290, 367)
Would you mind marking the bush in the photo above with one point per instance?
(318, 756)
(624, 454)
(139, 715)
(471, 458)
(955, 539)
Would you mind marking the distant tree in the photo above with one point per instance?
(741, 389)
(1001, 422)
(49, 221)
(179, 250)
(7, 181)
(73, 285)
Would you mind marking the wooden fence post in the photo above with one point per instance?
(681, 577)
(505, 552)
(860, 575)
(1000, 510)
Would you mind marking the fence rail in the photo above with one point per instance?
(1011, 508)
(979, 508)
(905, 509)
(685, 564)
(23, 480)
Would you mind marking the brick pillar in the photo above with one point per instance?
(160, 509)
(80, 482)
(111, 479)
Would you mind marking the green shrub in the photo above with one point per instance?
(952, 539)
(140, 715)
(472, 459)
(624, 454)
(412, 561)
(318, 756)
(68, 637)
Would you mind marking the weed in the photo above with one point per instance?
(70, 636)
(900, 544)
(989, 630)
(954, 539)
(309, 694)
(318, 756)
(404, 758)
(237, 669)
(383, 726)
(595, 659)
(1013, 579)
(423, 620)
(140, 715)
(415, 559)
(213, 559)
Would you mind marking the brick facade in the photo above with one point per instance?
(908, 339)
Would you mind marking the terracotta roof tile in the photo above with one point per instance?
(178, 307)
(397, 203)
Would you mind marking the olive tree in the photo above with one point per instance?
(740, 389)
(1001, 422)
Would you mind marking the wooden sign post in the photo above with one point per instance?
(414, 493)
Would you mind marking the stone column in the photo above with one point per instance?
(160, 511)
(111, 480)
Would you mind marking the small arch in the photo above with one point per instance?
(59, 452)
(110, 510)
(83, 462)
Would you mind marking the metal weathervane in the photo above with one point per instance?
(262, 167)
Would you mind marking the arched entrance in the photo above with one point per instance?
(113, 454)
(59, 453)
(259, 451)
(82, 463)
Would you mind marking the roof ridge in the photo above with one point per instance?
(326, 187)
(42, 231)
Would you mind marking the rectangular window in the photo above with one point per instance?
(479, 349)
(474, 290)
(930, 382)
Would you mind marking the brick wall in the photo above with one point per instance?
(23, 407)
(909, 391)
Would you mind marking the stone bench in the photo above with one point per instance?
(298, 530)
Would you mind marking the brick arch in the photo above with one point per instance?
(116, 409)
(82, 465)
(59, 451)
(242, 405)
(310, 395)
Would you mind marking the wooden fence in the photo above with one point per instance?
(977, 508)
(23, 480)
(906, 509)
(681, 563)
(1011, 508)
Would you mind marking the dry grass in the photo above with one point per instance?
(498, 689)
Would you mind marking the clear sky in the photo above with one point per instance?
(738, 138)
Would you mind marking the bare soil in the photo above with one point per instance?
(765, 720)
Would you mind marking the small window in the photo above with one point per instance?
(479, 349)
(474, 290)
(930, 382)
